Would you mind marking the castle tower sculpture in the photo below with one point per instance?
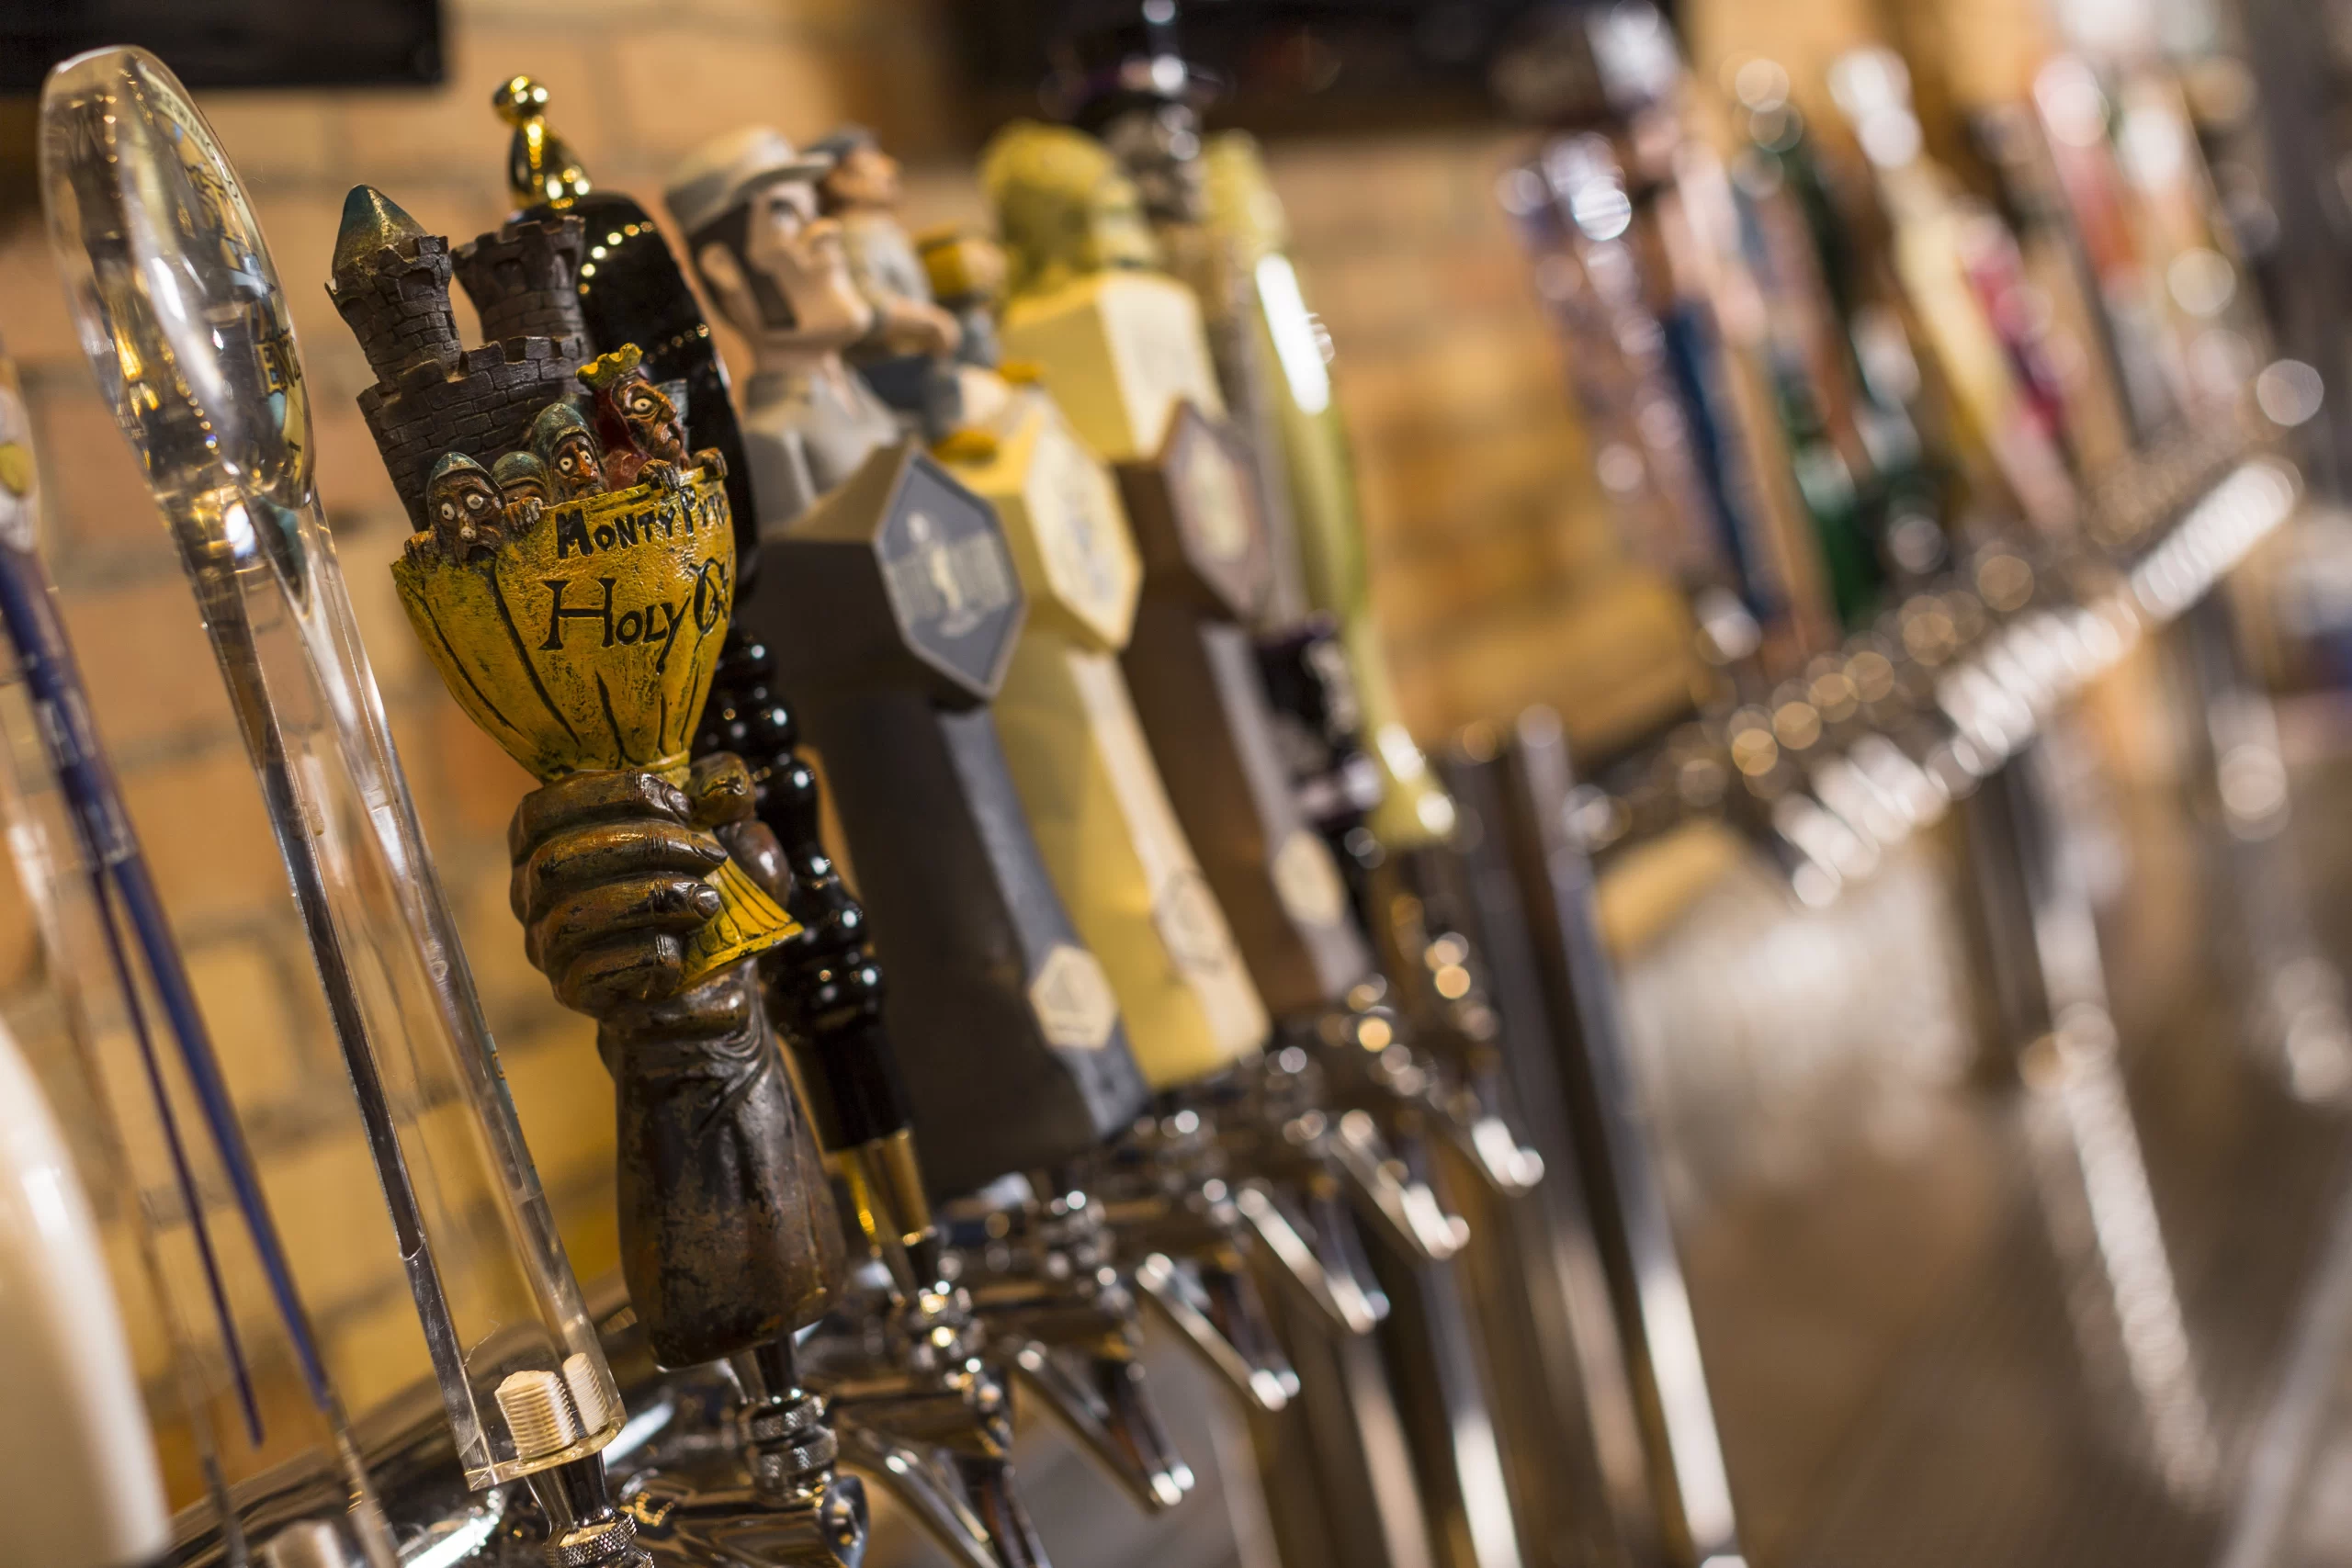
(432, 395)
(525, 279)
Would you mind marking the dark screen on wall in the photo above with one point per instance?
(233, 43)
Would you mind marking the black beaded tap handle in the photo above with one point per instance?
(825, 983)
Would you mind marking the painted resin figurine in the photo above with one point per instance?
(910, 355)
(1120, 342)
(748, 211)
(572, 577)
(578, 624)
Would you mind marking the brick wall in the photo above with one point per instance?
(1493, 569)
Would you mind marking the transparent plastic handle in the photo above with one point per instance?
(178, 306)
(133, 1048)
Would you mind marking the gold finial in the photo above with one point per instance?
(541, 168)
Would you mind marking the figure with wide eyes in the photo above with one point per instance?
(645, 441)
(568, 449)
(463, 506)
(522, 481)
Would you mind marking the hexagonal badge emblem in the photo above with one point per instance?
(1063, 519)
(1194, 509)
(1072, 999)
(896, 577)
(1306, 881)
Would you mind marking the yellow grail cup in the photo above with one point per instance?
(585, 641)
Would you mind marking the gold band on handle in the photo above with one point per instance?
(885, 1181)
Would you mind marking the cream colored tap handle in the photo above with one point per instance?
(1100, 812)
(1119, 351)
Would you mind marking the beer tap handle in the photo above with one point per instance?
(176, 294)
(575, 524)
(1096, 1392)
(825, 984)
(1202, 699)
(1216, 1311)
(1097, 804)
(894, 605)
(822, 981)
(1104, 1403)
(936, 1503)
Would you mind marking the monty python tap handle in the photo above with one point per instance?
(823, 987)
(892, 607)
(571, 576)
(1201, 697)
(1092, 790)
(823, 983)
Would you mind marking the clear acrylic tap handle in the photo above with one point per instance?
(179, 309)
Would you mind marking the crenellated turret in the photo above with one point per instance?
(525, 279)
(432, 396)
(391, 283)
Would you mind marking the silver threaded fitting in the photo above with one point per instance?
(590, 1393)
(608, 1542)
(539, 1414)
